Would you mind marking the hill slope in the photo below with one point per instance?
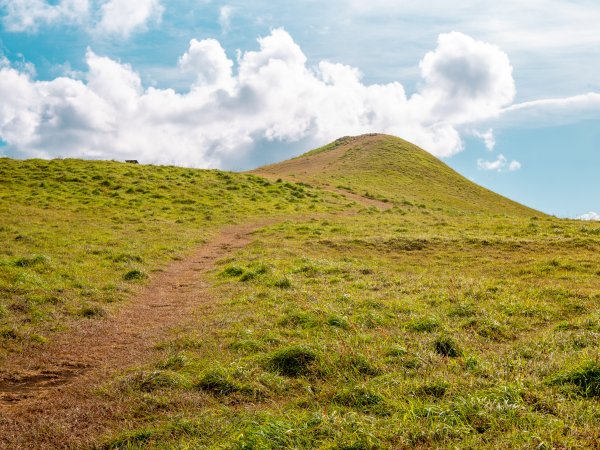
(454, 319)
(391, 169)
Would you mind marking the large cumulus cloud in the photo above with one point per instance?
(269, 94)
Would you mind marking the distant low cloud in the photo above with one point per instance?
(269, 94)
(110, 17)
(501, 164)
(589, 216)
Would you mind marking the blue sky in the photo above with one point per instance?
(507, 94)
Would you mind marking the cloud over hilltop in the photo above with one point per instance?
(269, 94)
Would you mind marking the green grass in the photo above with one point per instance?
(477, 340)
(454, 319)
(79, 236)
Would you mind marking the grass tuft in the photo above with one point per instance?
(446, 346)
(135, 275)
(586, 379)
(292, 361)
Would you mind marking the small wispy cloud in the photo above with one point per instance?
(487, 137)
(501, 164)
(589, 216)
(225, 15)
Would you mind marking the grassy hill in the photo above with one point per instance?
(393, 170)
(78, 236)
(455, 318)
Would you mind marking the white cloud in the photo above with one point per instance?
(225, 15)
(501, 164)
(589, 216)
(28, 15)
(208, 62)
(227, 114)
(514, 165)
(115, 17)
(465, 79)
(123, 17)
(487, 137)
(551, 112)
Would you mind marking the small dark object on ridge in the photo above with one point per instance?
(132, 161)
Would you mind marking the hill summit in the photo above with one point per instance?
(391, 169)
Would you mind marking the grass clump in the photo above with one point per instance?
(233, 271)
(585, 378)
(135, 275)
(358, 397)
(91, 312)
(424, 324)
(218, 382)
(292, 361)
(37, 260)
(446, 346)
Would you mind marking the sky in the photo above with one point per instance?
(507, 93)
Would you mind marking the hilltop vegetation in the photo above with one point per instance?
(439, 315)
(393, 170)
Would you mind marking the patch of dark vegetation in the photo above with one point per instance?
(283, 283)
(233, 271)
(423, 324)
(135, 275)
(446, 346)
(219, 382)
(32, 261)
(92, 312)
(396, 352)
(338, 322)
(292, 361)
(585, 378)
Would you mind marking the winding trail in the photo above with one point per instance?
(48, 395)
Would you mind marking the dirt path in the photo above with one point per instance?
(47, 395)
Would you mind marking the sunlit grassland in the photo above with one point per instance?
(409, 328)
(77, 236)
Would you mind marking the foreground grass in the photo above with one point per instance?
(78, 236)
(408, 328)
